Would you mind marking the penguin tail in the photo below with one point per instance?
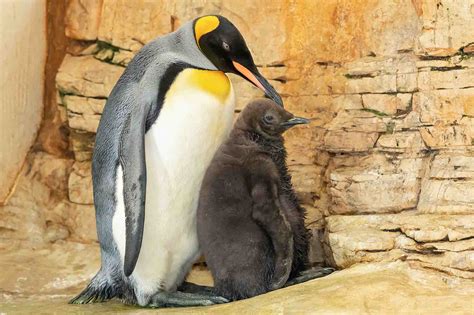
(100, 289)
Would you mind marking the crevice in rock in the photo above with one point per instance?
(444, 69)
(359, 76)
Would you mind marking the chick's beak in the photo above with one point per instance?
(295, 121)
(259, 81)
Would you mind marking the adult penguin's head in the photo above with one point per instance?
(221, 42)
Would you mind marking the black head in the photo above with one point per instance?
(221, 42)
(266, 118)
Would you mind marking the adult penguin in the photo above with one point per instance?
(162, 123)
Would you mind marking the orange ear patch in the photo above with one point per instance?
(204, 25)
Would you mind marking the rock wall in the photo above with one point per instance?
(386, 168)
(22, 30)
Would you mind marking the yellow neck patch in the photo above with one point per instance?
(205, 25)
(215, 83)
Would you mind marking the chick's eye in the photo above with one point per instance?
(225, 46)
(268, 119)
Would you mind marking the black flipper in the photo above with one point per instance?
(132, 160)
(267, 213)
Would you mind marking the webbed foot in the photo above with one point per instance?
(183, 299)
(189, 287)
(310, 274)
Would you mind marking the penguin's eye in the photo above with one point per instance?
(268, 119)
(225, 46)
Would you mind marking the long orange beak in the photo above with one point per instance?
(259, 81)
(249, 75)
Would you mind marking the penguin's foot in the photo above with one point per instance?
(310, 274)
(189, 287)
(183, 299)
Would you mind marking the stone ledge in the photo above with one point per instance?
(445, 242)
(386, 288)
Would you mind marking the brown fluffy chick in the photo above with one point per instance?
(250, 224)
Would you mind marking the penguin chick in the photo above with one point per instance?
(250, 226)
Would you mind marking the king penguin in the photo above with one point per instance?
(162, 123)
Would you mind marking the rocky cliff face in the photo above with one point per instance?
(386, 168)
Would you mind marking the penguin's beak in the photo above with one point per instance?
(259, 81)
(295, 121)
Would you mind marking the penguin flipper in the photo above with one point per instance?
(267, 212)
(132, 160)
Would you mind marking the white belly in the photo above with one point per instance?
(178, 148)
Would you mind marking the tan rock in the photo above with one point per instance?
(84, 122)
(444, 27)
(343, 35)
(82, 144)
(56, 232)
(469, 108)
(80, 183)
(442, 105)
(443, 136)
(403, 141)
(353, 101)
(410, 121)
(30, 215)
(458, 246)
(84, 105)
(301, 145)
(372, 66)
(368, 240)
(62, 267)
(427, 64)
(314, 217)
(377, 84)
(105, 55)
(451, 260)
(81, 221)
(385, 103)
(447, 196)
(83, 18)
(467, 124)
(426, 235)
(122, 57)
(407, 236)
(340, 141)
(387, 288)
(87, 76)
(375, 186)
(359, 120)
(326, 79)
(84, 113)
(306, 179)
(452, 166)
(319, 108)
(407, 82)
(452, 79)
(140, 22)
